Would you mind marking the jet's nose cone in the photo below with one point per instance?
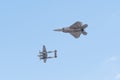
(57, 29)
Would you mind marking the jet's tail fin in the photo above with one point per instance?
(84, 26)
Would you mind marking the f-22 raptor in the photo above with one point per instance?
(44, 54)
(75, 29)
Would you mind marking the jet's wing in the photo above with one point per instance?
(76, 25)
(44, 48)
(76, 34)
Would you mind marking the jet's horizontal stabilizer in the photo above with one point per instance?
(84, 33)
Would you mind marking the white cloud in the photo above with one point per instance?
(112, 59)
(117, 77)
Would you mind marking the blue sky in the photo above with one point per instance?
(27, 25)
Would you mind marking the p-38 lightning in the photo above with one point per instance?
(75, 29)
(44, 54)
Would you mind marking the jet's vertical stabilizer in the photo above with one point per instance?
(84, 26)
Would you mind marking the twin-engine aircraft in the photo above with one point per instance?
(75, 29)
(44, 54)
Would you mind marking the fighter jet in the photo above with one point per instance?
(44, 54)
(75, 29)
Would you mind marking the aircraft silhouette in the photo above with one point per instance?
(44, 54)
(75, 29)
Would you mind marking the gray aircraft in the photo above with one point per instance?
(44, 54)
(75, 29)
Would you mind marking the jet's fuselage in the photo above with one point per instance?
(68, 30)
